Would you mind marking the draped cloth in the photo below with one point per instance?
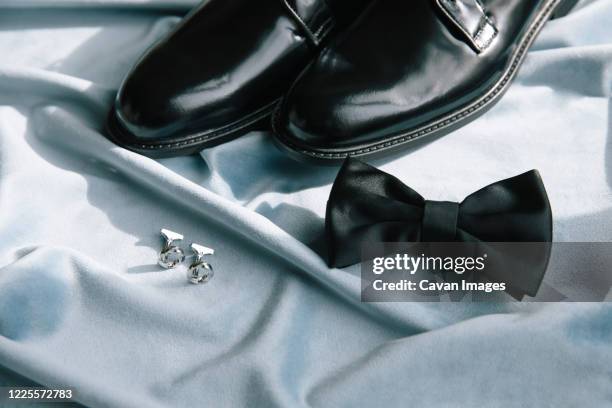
(83, 303)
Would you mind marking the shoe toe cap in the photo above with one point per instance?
(328, 117)
(317, 117)
(145, 107)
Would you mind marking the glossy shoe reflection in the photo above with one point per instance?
(406, 70)
(220, 71)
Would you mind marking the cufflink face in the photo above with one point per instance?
(201, 271)
(170, 255)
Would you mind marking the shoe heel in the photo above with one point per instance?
(563, 8)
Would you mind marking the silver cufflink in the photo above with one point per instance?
(200, 271)
(170, 255)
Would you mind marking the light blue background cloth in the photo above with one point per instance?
(83, 304)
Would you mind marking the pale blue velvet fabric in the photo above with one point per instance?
(82, 303)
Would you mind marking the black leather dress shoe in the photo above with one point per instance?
(405, 70)
(220, 71)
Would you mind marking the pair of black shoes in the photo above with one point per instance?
(338, 77)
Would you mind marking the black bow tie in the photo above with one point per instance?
(368, 205)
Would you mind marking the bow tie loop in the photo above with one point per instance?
(439, 222)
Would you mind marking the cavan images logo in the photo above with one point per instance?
(404, 263)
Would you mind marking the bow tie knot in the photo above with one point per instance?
(439, 222)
